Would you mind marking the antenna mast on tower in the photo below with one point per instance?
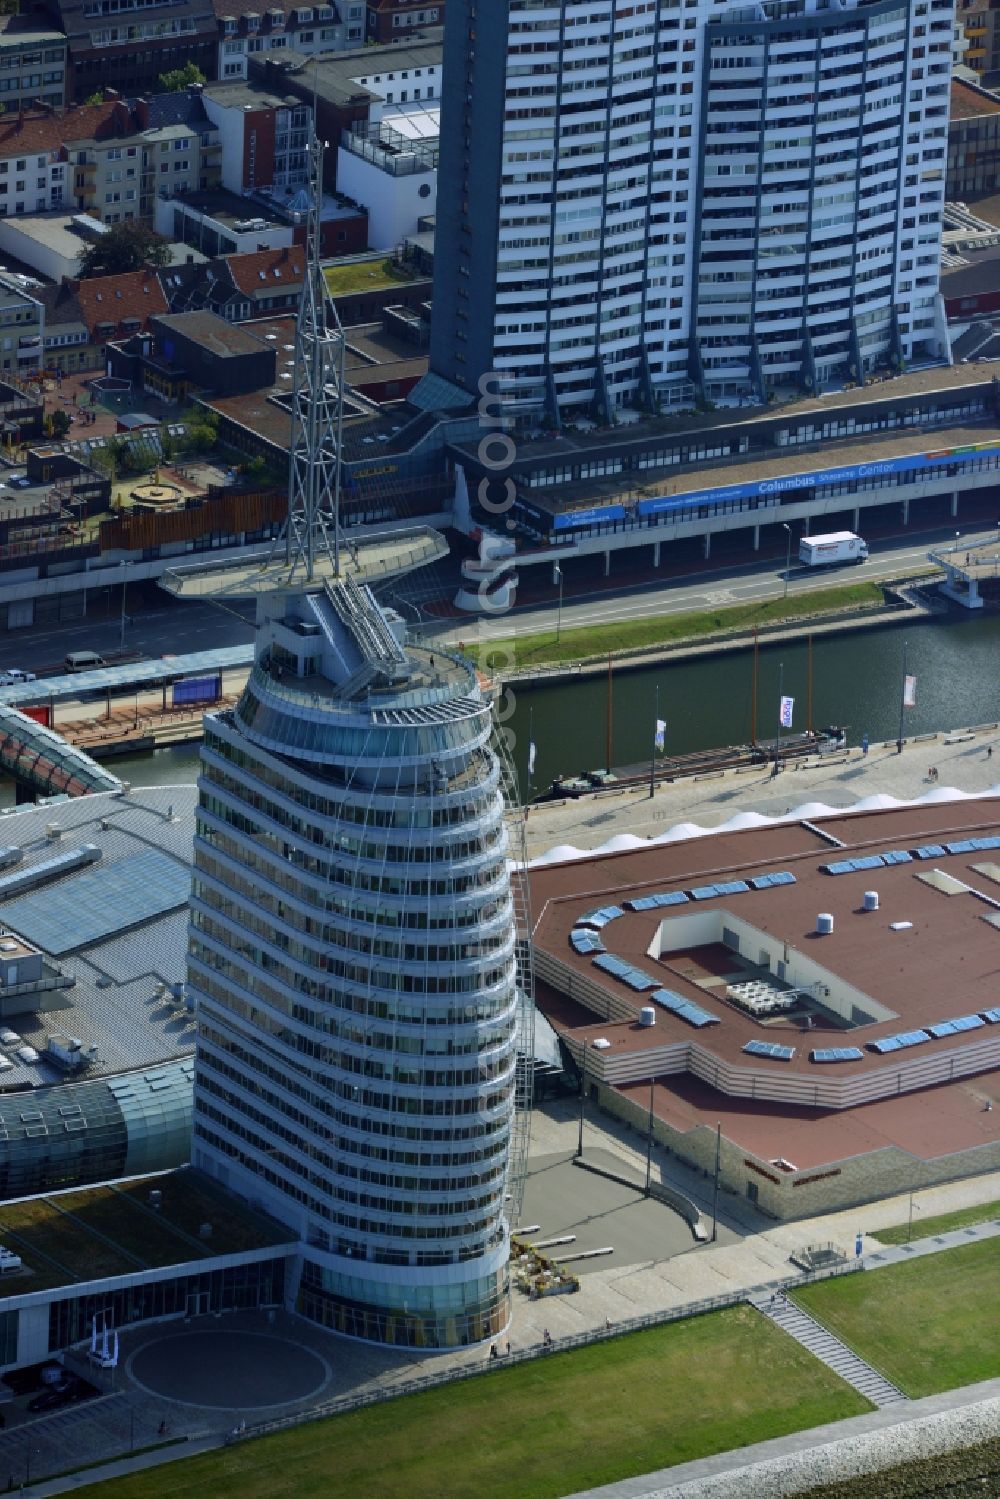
(313, 524)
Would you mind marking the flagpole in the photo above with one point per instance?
(781, 692)
(902, 704)
(608, 750)
(531, 740)
(652, 751)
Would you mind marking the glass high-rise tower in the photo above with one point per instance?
(353, 958)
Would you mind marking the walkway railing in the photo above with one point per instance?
(487, 1365)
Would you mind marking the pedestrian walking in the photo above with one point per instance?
(989, 752)
(493, 1351)
(508, 1347)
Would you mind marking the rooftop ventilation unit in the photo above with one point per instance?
(824, 924)
(647, 1015)
(870, 902)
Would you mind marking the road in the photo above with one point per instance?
(158, 624)
(737, 584)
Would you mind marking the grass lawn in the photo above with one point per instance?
(540, 1430)
(667, 629)
(362, 275)
(924, 1228)
(930, 1324)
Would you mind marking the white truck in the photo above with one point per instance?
(835, 547)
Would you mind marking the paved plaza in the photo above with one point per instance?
(222, 1367)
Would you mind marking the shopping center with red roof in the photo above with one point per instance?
(823, 993)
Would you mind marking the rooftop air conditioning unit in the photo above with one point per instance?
(53, 830)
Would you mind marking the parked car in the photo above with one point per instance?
(13, 675)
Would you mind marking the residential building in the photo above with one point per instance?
(110, 160)
(66, 339)
(392, 20)
(643, 207)
(263, 134)
(22, 325)
(127, 48)
(248, 29)
(352, 958)
(973, 142)
(359, 88)
(393, 172)
(271, 281)
(32, 64)
(116, 306)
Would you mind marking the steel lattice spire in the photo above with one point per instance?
(313, 524)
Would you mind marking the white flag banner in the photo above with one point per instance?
(114, 1355)
(909, 692)
(659, 738)
(105, 1352)
(93, 1334)
(531, 757)
(785, 715)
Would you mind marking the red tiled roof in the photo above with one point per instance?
(48, 132)
(115, 299)
(264, 269)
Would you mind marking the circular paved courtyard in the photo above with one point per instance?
(228, 1370)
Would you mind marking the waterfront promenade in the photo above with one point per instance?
(961, 758)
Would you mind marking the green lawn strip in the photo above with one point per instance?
(538, 1430)
(668, 629)
(929, 1324)
(944, 1223)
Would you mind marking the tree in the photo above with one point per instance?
(57, 424)
(178, 79)
(124, 247)
(97, 97)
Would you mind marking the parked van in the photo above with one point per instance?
(84, 661)
(14, 675)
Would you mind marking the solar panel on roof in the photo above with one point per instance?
(869, 861)
(897, 856)
(673, 898)
(636, 979)
(644, 903)
(770, 1049)
(610, 964)
(761, 881)
(839, 866)
(930, 851)
(992, 1017)
(963, 846)
(837, 1054)
(703, 892)
(783, 877)
(101, 902)
(732, 887)
(695, 1015)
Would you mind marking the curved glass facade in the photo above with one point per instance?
(352, 950)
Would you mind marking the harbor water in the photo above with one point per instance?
(707, 703)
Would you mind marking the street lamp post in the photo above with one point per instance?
(121, 637)
(788, 553)
(559, 580)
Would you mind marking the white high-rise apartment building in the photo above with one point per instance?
(643, 203)
(352, 954)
